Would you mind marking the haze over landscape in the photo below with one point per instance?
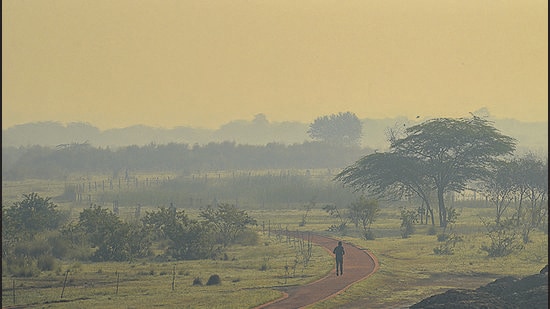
(531, 136)
(149, 142)
(203, 64)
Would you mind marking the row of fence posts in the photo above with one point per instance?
(279, 234)
(65, 284)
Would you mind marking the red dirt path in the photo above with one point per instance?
(358, 265)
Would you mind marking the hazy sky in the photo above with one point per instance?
(203, 63)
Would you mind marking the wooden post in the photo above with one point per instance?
(117, 276)
(64, 283)
(13, 288)
(173, 277)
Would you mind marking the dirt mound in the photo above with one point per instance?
(508, 292)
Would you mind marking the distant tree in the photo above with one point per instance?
(531, 183)
(446, 153)
(307, 209)
(189, 238)
(504, 236)
(166, 223)
(390, 175)
(98, 223)
(114, 239)
(23, 222)
(364, 212)
(228, 221)
(337, 129)
(32, 215)
(336, 213)
(499, 187)
(408, 219)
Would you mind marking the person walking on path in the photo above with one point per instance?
(339, 252)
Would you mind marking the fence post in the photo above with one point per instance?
(117, 276)
(173, 277)
(64, 283)
(13, 288)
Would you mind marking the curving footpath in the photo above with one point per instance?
(358, 265)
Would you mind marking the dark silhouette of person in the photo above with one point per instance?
(339, 252)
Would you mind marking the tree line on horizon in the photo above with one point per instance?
(258, 131)
(44, 162)
(336, 143)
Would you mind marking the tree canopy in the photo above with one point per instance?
(337, 129)
(441, 154)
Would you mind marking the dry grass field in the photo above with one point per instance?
(409, 270)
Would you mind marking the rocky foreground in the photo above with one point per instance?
(509, 292)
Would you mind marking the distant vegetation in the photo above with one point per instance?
(79, 158)
(176, 202)
(259, 131)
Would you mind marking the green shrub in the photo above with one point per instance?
(33, 248)
(247, 238)
(18, 271)
(214, 280)
(369, 235)
(432, 230)
(197, 281)
(408, 219)
(22, 267)
(265, 264)
(58, 246)
(448, 247)
(46, 262)
(504, 236)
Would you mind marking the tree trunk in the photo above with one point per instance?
(442, 209)
(429, 213)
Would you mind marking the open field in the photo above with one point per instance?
(409, 269)
(247, 277)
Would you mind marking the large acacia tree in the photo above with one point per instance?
(390, 175)
(441, 155)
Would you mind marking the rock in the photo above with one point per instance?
(461, 299)
(507, 292)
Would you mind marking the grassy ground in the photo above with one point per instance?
(247, 280)
(409, 270)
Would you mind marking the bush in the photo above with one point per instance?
(46, 262)
(33, 248)
(448, 247)
(504, 236)
(213, 280)
(247, 238)
(408, 219)
(338, 228)
(24, 271)
(21, 267)
(197, 281)
(369, 235)
(58, 246)
(265, 264)
(432, 230)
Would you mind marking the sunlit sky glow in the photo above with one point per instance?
(168, 63)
